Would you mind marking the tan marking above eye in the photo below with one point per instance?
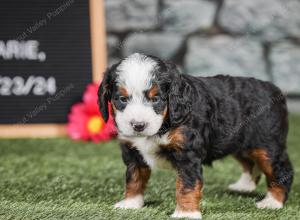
(123, 91)
(153, 91)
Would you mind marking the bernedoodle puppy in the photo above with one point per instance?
(169, 119)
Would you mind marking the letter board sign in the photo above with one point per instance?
(49, 51)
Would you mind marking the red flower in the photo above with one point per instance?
(86, 121)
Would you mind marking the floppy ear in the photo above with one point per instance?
(180, 101)
(104, 95)
(105, 90)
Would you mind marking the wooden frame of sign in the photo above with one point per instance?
(98, 47)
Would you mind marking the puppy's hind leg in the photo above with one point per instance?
(279, 174)
(250, 176)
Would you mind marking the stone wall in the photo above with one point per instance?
(258, 38)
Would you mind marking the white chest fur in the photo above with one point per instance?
(148, 147)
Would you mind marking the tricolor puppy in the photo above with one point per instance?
(167, 118)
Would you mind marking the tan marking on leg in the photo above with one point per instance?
(260, 156)
(176, 139)
(137, 183)
(278, 192)
(188, 199)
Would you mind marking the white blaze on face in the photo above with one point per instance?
(135, 74)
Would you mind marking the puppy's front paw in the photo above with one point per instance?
(185, 214)
(135, 202)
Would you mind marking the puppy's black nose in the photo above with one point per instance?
(138, 126)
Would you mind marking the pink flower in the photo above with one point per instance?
(86, 121)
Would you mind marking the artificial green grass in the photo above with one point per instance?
(62, 179)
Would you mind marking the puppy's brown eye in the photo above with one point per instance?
(155, 99)
(123, 99)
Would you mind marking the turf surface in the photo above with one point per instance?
(61, 179)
